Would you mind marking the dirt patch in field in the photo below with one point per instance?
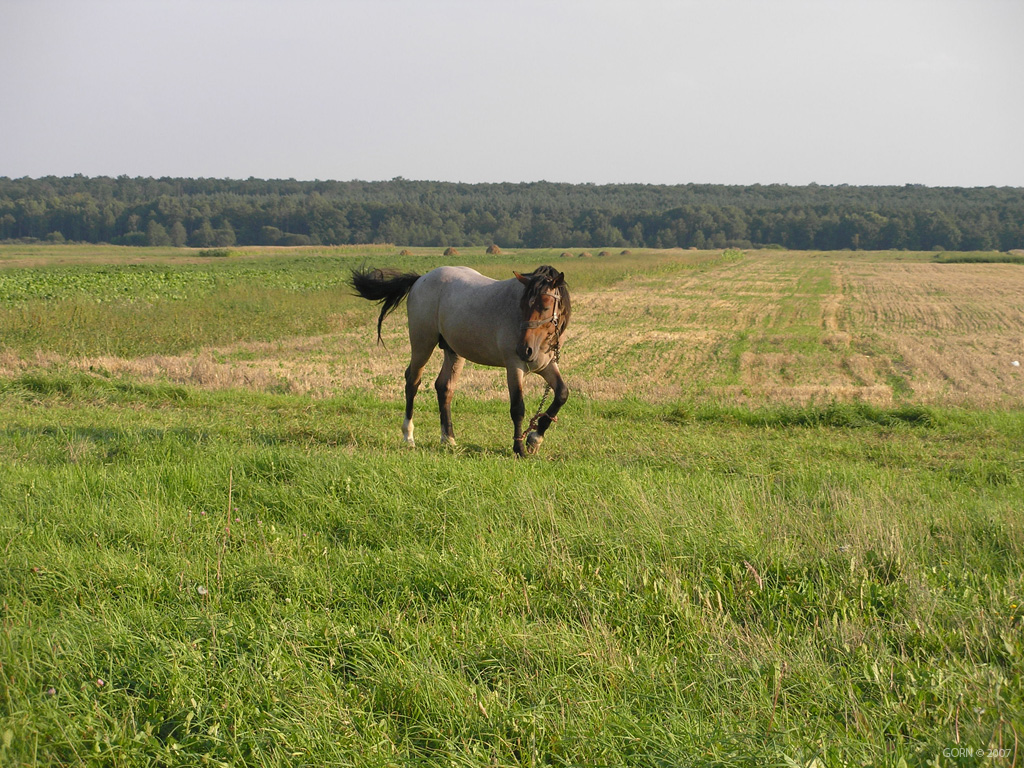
(320, 366)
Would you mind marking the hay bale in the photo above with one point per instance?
(405, 252)
(449, 251)
(567, 255)
(493, 250)
(586, 255)
(626, 253)
(604, 253)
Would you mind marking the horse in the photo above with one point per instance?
(515, 324)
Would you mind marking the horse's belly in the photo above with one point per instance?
(475, 347)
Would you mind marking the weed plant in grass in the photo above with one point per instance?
(233, 578)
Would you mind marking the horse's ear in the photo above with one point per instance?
(559, 281)
(520, 278)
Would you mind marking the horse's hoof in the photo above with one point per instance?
(409, 443)
(533, 441)
(448, 442)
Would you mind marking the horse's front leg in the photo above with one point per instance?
(558, 386)
(517, 407)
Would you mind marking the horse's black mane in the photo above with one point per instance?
(544, 278)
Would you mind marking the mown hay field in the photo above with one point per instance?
(760, 328)
(779, 521)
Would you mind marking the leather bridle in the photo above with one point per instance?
(527, 324)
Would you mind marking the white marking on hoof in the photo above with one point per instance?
(407, 432)
(533, 441)
(447, 440)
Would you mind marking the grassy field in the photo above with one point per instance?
(779, 523)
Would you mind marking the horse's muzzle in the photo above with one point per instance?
(526, 352)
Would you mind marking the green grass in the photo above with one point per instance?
(198, 578)
(953, 257)
(194, 577)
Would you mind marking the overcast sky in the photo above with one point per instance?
(656, 91)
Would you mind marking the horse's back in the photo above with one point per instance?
(445, 284)
(456, 276)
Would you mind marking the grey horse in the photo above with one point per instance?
(515, 324)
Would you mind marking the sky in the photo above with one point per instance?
(886, 92)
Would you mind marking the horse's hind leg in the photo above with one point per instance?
(413, 376)
(445, 386)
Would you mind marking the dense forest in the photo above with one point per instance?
(224, 212)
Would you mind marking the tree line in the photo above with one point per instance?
(226, 212)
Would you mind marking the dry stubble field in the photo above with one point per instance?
(749, 328)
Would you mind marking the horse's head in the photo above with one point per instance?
(545, 312)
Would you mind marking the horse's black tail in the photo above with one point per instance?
(386, 286)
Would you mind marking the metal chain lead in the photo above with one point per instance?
(547, 387)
